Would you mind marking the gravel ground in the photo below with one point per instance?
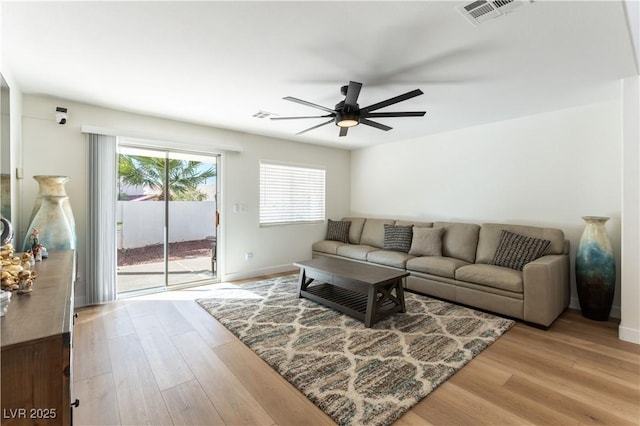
(154, 253)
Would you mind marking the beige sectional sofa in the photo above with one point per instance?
(464, 272)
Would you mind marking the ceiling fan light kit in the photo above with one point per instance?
(347, 113)
(346, 120)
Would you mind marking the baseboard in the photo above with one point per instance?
(574, 303)
(258, 272)
(629, 335)
(615, 312)
(624, 333)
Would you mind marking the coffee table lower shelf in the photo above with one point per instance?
(346, 301)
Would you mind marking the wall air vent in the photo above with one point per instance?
(479, 11)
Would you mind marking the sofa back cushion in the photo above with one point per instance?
(460, 240)
(355, 230)
(490, 238)
(373, 232)
(414, 223)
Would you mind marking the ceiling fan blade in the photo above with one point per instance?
(307, 103)
(353, 91)
(307, 116)
(393, 100)
(343, 131)
(315, 127)
(375, 124)
(395, 114)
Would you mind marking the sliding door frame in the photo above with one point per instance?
(168, 148)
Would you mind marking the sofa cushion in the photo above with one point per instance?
(491, 276)
(397, 238)
(394, 259)
(354, 251)
(460, 240)
(490, 238)
(338, 230)
(426, 242)
(355, 230)
(373, 232)
(436, 265)
(515, 250)
(414, 223)
(326, 246)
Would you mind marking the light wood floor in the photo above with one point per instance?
(163, 360)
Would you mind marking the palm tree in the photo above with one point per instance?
(184, 175)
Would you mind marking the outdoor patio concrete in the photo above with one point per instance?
(151, 275)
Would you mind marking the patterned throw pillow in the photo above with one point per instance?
(426, 242)
(338, 230)
(515, 250)
(397, 238)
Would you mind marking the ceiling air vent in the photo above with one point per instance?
(263, 114)
(482, 10)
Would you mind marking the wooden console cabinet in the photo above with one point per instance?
(36, 339)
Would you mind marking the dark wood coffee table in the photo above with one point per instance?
(363, 291)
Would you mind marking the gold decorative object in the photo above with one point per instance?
(16, 273)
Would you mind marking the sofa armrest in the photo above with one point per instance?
(546, 288)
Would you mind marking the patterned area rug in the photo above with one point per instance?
(356, 375)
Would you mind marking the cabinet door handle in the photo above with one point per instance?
(76, 403)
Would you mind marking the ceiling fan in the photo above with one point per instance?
(348, 113)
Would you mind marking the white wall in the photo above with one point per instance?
(276, 245)
(629, 329)
(548, 170)
(50, 148)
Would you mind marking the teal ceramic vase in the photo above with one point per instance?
(54, 186)
(595, 270)
(54, 231)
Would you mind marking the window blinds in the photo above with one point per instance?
(291, 194)
(100, 266)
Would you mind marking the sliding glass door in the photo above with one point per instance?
(166, 218)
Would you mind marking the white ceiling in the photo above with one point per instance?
(218, 63)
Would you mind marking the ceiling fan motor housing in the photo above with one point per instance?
(347, 113)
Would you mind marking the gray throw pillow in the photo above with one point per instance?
(515, 250)
(427, 242)
(397, 238)
(338, 230)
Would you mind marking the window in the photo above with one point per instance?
(291, 194)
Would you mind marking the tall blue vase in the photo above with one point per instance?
(595, 270)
